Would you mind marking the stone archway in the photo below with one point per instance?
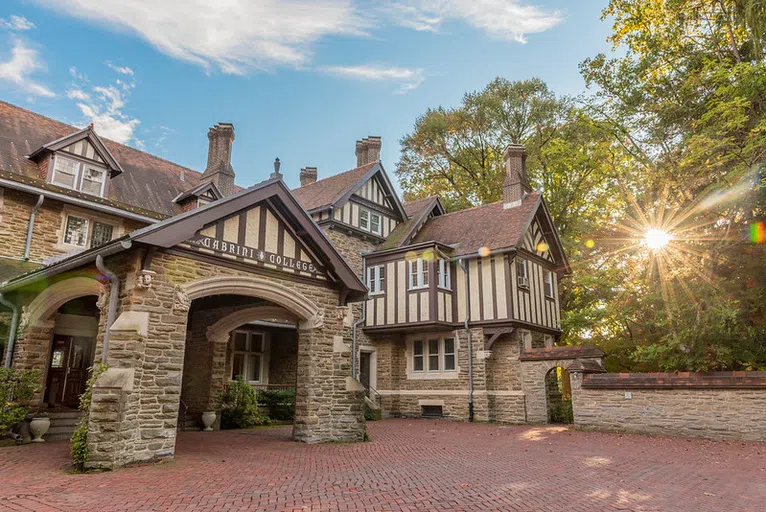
(47, 302)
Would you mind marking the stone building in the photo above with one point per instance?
(180, 280)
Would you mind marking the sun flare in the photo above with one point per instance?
(656, 239)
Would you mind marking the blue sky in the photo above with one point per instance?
(300, 79)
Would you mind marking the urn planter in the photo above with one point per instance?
(208, 418)
(39, 427)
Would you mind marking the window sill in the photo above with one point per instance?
(376, 294)
(442, 288)
(417, 288)
(446, 375)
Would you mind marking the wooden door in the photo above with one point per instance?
(364, 368)
(68, 370)
(57, 369)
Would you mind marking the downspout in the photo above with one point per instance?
(114, 295)
(31, 225)
(12, 333)
(358, 323)
(464, 265)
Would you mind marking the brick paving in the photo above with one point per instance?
(408, 465)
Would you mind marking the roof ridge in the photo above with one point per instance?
(100, 136)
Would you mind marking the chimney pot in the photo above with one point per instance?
(515, 184)
(219, 169)
(308, 176)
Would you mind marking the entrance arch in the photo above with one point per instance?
(221, 329)
(43, 308)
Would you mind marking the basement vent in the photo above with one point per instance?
(431, 411)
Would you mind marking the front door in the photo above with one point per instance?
(68, 371)
(364, 368)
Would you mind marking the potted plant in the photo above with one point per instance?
(208, 418)
(39, 426)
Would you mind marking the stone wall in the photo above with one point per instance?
(725, 405)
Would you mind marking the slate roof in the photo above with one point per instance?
(415, 211)
(483, 226)
(149, 183)
(327, 191)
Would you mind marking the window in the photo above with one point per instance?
(443, 277)
(548, 281)
(526, 339)
(418, 273)
(548, 340)
(449, 354)
(93, 181)
(370, 221)
(439, 355)
(376, 279)
(417, 356)
(102, 233)
(521, 273)
(65, 172)
(247, 357)
(76, 231)
(79, 231)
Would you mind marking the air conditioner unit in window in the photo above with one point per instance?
(523, 282)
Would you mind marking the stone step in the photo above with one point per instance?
(63, 415)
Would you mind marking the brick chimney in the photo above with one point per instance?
(308, 176)
(368, 150)
(516, 184)
(219, 169)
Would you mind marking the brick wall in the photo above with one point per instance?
(716, 406)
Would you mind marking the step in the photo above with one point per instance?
(55, 415)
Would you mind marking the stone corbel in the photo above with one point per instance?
(144, 279)
(481, 355)
(314, 322)
(181, 302)
(343, 313)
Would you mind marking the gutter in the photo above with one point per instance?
(114, 295)
(464, 266)
(358, 322)
(23, 187)
(31, 225)
(12, 333)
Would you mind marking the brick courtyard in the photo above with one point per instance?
(408, 465)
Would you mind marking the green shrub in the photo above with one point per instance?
(280, 403)
(16, 388)
(78, 443)
(239, 407)
(369, 414)
(562, 412)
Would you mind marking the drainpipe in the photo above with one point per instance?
(31, 225)
(464, 266)
(114, 294)
(358, 323)
(14, 325)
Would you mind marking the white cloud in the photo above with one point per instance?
(22, 63)
(408, 79)
(506, 19)
(235, 37)
(103, 106)
(15, 22)
(123, 70)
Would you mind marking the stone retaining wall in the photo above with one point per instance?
(723, 405)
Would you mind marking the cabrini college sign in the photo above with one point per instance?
(220, 246)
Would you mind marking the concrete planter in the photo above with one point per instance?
(39, 427)
(208, 418)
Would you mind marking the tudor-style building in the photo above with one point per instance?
(180, 280)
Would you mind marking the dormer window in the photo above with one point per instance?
(67, 172)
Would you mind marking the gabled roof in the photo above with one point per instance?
(180, 228)
(88, 133)
(148, 183)
(334, 191)
(199, 190)
(418, 212)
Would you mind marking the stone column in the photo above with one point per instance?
(533, 383)
(31, 352)
(328, 401)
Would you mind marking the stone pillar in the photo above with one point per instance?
(480, 357)
(31, 352)
(533, 383)
(328, 401)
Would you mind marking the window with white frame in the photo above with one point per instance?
(526, 339)
(548, 283)
(443, 274)
(522, 273)
(86, 233)
(418, 273)
(434, 355)
(65, 172)
(376, 279)
(248, 356)
(370, 221)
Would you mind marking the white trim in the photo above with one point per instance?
(449, 392)
(426, 373)
(77, 171)
(264, 354)
(373, 365)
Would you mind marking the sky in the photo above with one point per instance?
(300, 80)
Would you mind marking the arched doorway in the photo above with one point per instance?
(558, 394)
